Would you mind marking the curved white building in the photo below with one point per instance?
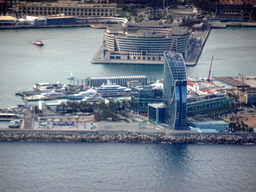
(144, 44)
(181, 37)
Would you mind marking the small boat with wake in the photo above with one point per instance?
(38, 43)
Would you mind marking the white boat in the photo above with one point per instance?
(47, 87)
(15, 123)
(53, 95)
(71, 76)
(83, 94)
(111, 89)
(94, 98)
(158, 85)
(35, 98)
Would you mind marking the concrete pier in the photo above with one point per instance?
(195, 52)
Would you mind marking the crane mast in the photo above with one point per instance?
(210, 70)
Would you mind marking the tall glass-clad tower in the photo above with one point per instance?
(175, 90)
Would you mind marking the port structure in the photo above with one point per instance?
(210, 70)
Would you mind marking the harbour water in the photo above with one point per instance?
(38, 166)
(71, 49)
(59, 166)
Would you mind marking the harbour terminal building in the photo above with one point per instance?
(173, 111)
(68, 8)
(142, 43)
(119, 80)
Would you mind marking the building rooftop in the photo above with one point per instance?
(157, 105)
(179, 31)
(142, 33)
(118, 77)
(68, 4)
(9, 18)
(230, 81)
(152, 23)
(237, 2)
(195, 98)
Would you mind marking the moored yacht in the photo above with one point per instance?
(94, 98)
(111, 89)
(54, 95)
(83, 94)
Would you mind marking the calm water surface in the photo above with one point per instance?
(126, 167)
(71, 49)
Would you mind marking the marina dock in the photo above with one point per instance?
(196, 50)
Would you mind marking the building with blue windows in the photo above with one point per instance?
(175, 91)
(142, 96)
(172, 114)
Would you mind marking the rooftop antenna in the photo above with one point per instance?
(210, 70)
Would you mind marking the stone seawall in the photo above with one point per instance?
(127, 137)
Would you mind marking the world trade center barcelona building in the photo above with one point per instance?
(175, 91)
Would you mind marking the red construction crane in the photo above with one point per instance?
(210, 70)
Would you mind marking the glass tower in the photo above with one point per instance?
(175, 91)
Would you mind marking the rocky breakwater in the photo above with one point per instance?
(127, 137)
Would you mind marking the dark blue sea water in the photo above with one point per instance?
(38, 166)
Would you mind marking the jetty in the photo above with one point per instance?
(194, 52)
(126, 137)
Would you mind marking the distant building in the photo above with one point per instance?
(134, 83)
(144, 95)
(68, 8)
(236, 10)
(157, 114)
(119, 80)
(7, 20)
(248, 97)
(205, 104)
(44, 21)
(142, 43)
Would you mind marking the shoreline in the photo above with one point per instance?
(107, 136)
(223, 25)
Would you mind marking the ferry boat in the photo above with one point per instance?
(38, 43)
(15, 123)
(111, 89)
